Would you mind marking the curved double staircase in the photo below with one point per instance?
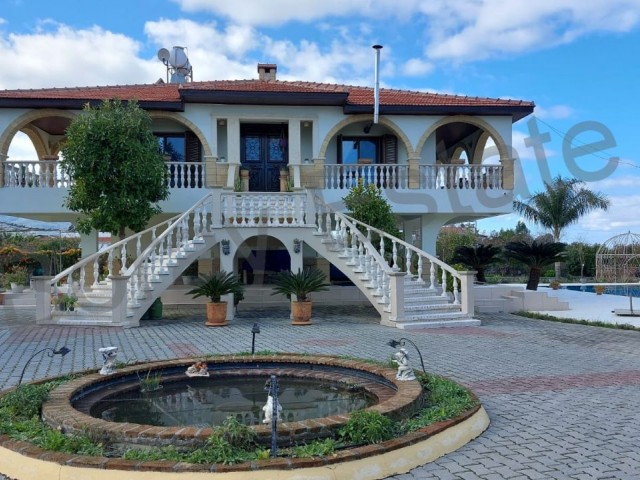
(116, 286)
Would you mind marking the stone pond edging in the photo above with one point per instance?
(24, 461)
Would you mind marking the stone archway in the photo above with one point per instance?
(502, 147)
(402, 137)
(206, 149)
(23, 121)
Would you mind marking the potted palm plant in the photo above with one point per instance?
(215, 286)
(300, 284)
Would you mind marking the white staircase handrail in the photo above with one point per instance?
(110, 250)
(177, 226)
(165, 250)
(410, 250)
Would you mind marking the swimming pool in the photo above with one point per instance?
(623, 289)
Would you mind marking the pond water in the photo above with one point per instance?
(203, 402)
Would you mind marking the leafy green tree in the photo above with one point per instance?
(477, 257)
(451, 237)
(366, 204)
(536, 255)
(581, 254)
(562, 203)
(117, 168)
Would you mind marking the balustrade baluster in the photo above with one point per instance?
(407, 259)
(444, 283)
(394, 255)
(367, 265)
(70, 284)
(123, 258)
(456, 293)
(379, 282)
(82, 279)
(328, 223)
(419, 269)
(110, 263)
(361, 261)
(354, 248)
(432, 275)
(96, 273)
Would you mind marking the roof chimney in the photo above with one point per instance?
(267, 71)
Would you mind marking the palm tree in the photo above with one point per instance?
(535, 255)
(563, 202)
(477, 257)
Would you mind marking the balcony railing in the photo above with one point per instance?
(50, 174)
(431, 177)
(385, 176)
(253, 209)
(466, 177)
(34, 174)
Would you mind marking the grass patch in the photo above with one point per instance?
(447, 400)
(20, 412)
(591, 323)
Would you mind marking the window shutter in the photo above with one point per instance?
(193, 148)
(390, 149)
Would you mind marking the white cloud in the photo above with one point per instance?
(65, 57)
(554, 112)
(279, 12)
(615, 220)
(417, 67)
(466, 30)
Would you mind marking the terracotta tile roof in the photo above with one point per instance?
(357, 96)
(152, 93)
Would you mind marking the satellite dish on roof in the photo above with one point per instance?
(177, 64)
(163, 55)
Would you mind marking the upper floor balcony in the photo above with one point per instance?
(39, 187)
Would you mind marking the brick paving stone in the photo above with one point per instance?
(563, 399)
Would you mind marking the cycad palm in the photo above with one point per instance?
(563, 202)
(477, 257)
(535, 255)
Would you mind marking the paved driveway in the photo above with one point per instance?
(564, 400)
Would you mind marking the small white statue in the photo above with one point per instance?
(109, 355)
(268, 410)
(405, 372)
(198, 369)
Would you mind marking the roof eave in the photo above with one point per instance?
(78, 104)
(517, 112)
(234, 97)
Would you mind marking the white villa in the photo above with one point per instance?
(303, 145)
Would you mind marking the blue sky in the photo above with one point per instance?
(577, 60)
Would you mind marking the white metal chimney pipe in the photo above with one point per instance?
(376, 88)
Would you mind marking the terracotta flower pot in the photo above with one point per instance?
(216, 314)
(301, 313)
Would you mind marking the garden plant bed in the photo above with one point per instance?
(378, 460)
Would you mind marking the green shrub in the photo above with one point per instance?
(237, 434)
(366, 427)
(26, 400)
(446, 400)
(319, 448)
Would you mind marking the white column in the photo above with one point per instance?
(295, 150)
(396, 280)
(226, 264)
(213, 141)
(42, 286)
(233, 149)
(466, 289)
(89, 243)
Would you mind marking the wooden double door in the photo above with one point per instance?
(264, 151)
